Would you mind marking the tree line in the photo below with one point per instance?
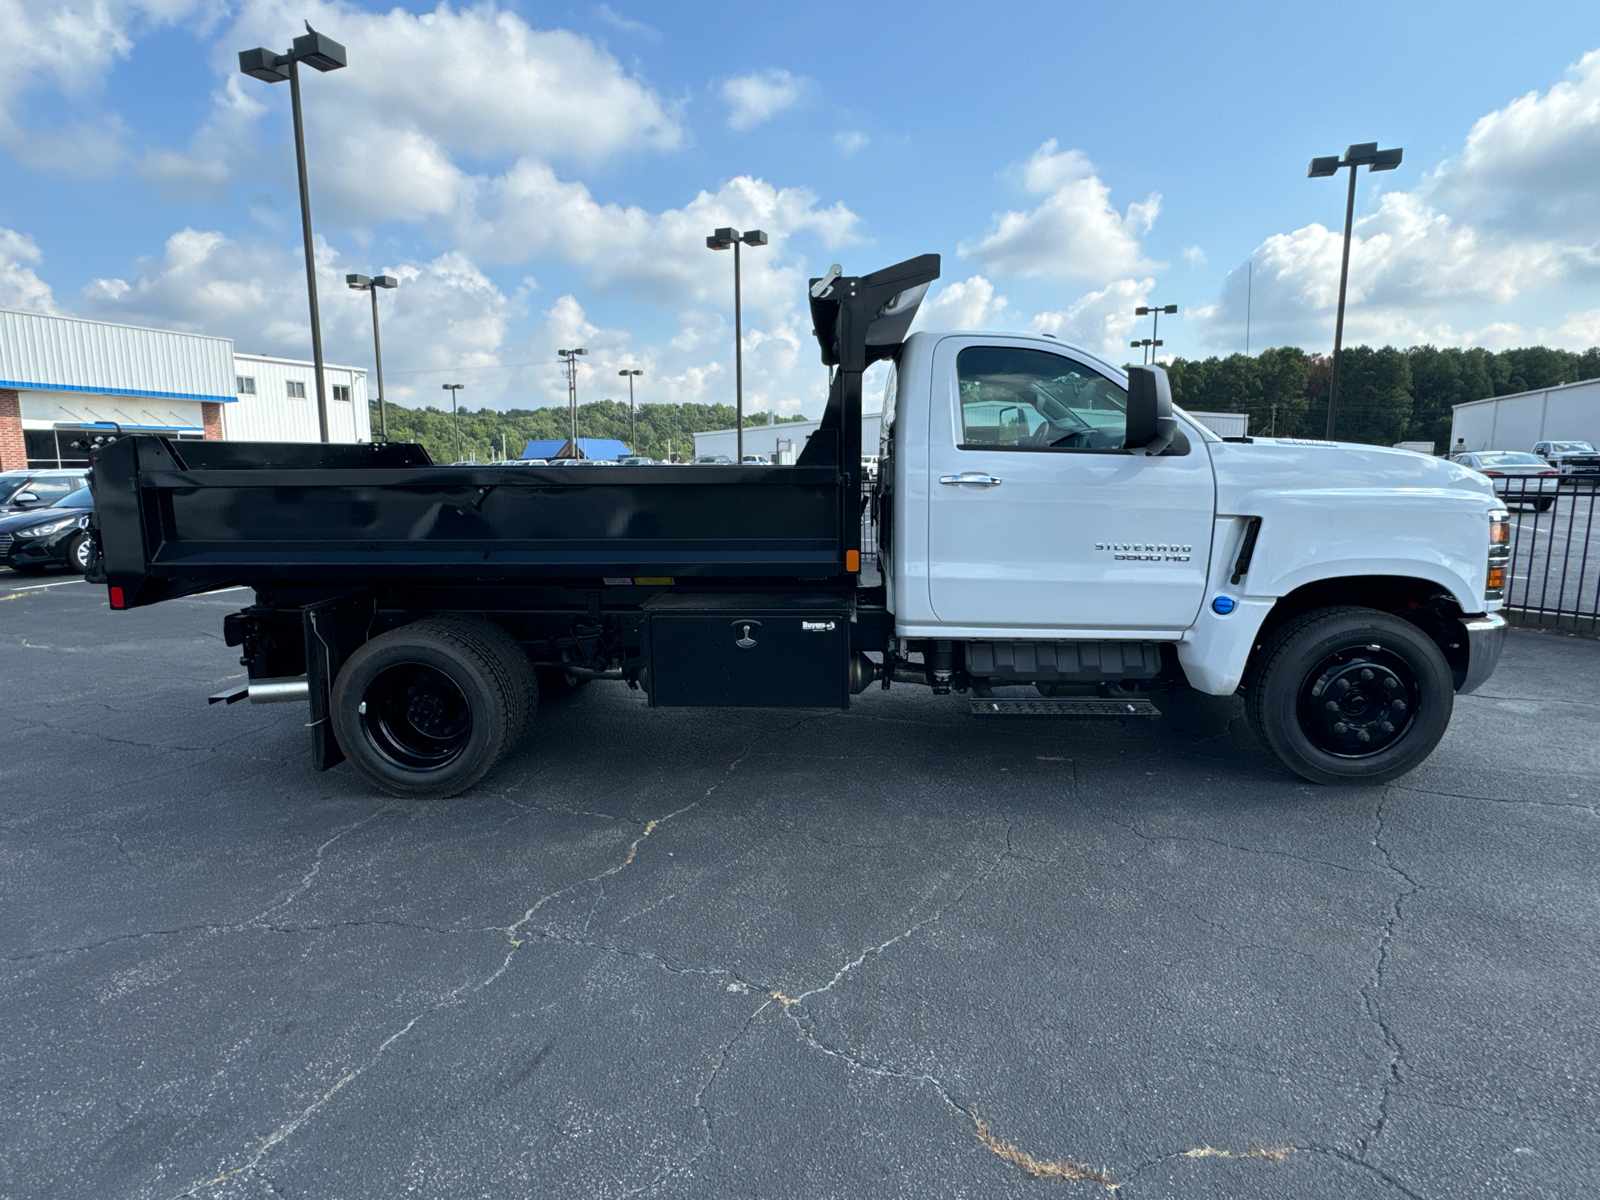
(1386, 395)
(662, 429)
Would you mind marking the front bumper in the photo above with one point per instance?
(1486, 638)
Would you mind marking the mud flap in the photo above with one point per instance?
(334, 629)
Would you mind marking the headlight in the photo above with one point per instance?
(49, 527)
(1494, 584)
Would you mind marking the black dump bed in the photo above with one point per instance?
(178, 517)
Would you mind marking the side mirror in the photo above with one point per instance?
(22, 498)
(1151, 425)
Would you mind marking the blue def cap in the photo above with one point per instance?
(1223, 605)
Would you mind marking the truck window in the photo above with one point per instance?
(1019, 399)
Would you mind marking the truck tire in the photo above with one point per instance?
(1350, 695)
(427, 710)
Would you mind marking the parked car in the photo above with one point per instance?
(1571, 459)
(638, 460)
(57, 536)
(23, 490)
(1519, 478)
(756, 460)
(712, 460)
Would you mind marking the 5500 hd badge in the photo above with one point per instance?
(1146, 552)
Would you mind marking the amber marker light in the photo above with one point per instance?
(852, 561)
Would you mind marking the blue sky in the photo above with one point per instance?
(543, 175)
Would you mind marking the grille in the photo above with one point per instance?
(5, 543)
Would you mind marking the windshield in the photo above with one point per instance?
(1571, 448)
(9, 482)
(79, 499)
(1510, 458)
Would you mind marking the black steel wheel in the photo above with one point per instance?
(428, 709)
(1350, 695)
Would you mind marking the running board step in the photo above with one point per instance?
(994, 706)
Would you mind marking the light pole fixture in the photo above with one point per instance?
(1154, 311)
(322, 52)
(633, 429)
(1362, 154)
(1148, 344)
(363, 283)
(455, 413)
(721, 240)
(570, 357)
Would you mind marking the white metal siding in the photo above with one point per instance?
(1571, 412)
(65, 354)
(1225, 425)
(765, 439)
(272, 416)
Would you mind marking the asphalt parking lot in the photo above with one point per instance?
(897, 951)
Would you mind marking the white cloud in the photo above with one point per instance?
(660, 257)
(20, 285)
(1101, 321)
(967, 304)
(626, 24)
(1195, 257)
(445, 314)
(1515, 217)
(759, 97)
(383, 147)
(1074, 233)
(69, 45)
(849, 141)
(1578, 331)
(1533, 167)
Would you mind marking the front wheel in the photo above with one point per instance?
(79, 552)
(1350, 695)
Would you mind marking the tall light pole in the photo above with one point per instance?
(721, 240)
(633, 429)
(363, 283)
(1362, 154)
(570, 357)
(455, 413)
(322, 52)
(1154, 313)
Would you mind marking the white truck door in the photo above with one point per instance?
(1038, 519)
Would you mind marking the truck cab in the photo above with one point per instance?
(1029, 538)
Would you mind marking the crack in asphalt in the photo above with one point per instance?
(1394, 1076)
(511, 932)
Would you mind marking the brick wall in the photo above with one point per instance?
(211, 418)
(13, 450)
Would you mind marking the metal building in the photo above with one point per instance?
(63, 376)
(782, 442)
(1569, 412)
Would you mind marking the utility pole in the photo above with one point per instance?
(570, 357)
(455, 414)
(633, 428)
(1249, 294)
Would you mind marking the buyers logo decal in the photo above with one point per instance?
(1146, 551)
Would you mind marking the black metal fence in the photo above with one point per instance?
(1555, 551)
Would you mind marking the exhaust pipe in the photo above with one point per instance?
(280, 691)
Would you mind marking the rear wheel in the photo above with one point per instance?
(1350, 695)
(427, 710)
(1544, 503)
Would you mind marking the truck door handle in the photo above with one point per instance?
(971, 477)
